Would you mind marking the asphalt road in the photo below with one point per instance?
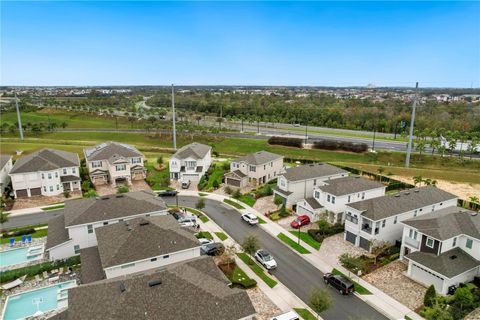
(30, 219)
(293, 271)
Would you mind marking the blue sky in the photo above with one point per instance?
(244, 43)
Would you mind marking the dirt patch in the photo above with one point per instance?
(265, 204)
(264, 307)
(40, 201)
(391, 280)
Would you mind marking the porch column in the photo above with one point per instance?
(71, 186)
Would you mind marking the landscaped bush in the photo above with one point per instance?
(19, 233)
(228, 190)
(328, 144)
(285, 141)
(429, 297)
(122, 189)
(325, 230)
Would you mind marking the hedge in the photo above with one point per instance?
(285, 141)
(19, 233)
(327, 144)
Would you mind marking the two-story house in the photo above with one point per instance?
(378, 219)
(442, 248)
(110, 162)
(46, 172)
(297, 183)
(137, 245)
(75, 228)
(255, 169)
(6, 165)
(332, 196)
(190, 162)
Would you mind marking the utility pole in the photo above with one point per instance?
(173, 119)
(306, 132)
(221, 114)
(19, 119)
(374, 132)
(412, 122)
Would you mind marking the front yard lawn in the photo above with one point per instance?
(305, 237)
(305, 314)
(59, 206)
(237, 276)
(358, 288)
(202, 194)
(204, 234)
(222, 236)
(257, 269)
(260, 220)
(233, 204)
(248, 200)
(292, 243)
(157, 179)
(199, 214)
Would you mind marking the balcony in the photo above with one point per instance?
(368, 228)
(411, 242)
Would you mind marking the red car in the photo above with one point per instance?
(300, 221)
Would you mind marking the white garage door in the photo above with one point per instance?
(303, 211)
(426, 277)
(191, 177)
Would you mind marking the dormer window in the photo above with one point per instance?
(429, 243)
(469, 243)
(454, 242)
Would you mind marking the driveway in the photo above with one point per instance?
(294, 272)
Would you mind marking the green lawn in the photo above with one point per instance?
(201, 194)
(216, 175)
(238, 276)
(358, 288)
(248, 200)
(257, 269)
(305, 314)
(305, 237)
(60, 206)
(157, 180)
(222, 236)
(233, 204)
(260, 220)
(204, 234)
(199, 214)
(37, 234)
(294, 245)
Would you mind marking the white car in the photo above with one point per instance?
(188, 222)
(205, 241)
(250, 218)
(266, 259)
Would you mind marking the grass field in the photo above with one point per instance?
(294, 245)
(233, 204)
(305, 314)
(248, 200)
(222, 236)
(257, 269)
(204, 234)
(60, 206)
(199, 214)
(305, 237)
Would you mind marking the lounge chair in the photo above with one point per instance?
(13, 284)
(29, 238)
(45, 275)
(12, 241)
(60, 271)
(24, 239)
(37, 278)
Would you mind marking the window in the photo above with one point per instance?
(314, 182)
(51, 188)
(252, 168)
(136, 160)
(348, 199)
(128, 265)
(363, 195)
(64, 170)
(153, 259)
(56, 174)
(58, 187)
(413, 234)
(89, 228)
(469, 243)
(166, 256)
(395, 220)
(317, 194)
(43, 176)
(96, 164)
(105, 223)
(333, 199)
(384, 222)
(44, 189)
(49, 176)
(190, 164)
(328, 198)
(76, 249)
(121, 167)
(454, 242)
(429, 242)
(74, 170)
(415, 213)
(264, 167)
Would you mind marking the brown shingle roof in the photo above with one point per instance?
(44, 160)
(258, 158)
(91, 266)
(193, 150)
(311, 171)
(111, 151)
(4, 158)
(57, 233)
(192, 290)
(348, 185)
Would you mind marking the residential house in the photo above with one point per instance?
(191, 290)
(331, 197)
(137, 245)
(378, 219)
(255, 168)
(190, 162)
(75, 228)
(46, 172)
(110, 162)
(442, 248)
(5, 167)
(297, 183)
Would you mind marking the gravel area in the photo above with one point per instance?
(334, 246)
(391, 280)
(474, 315)
(265, 204)
(40, 201)
(107, 189)
(264, 307)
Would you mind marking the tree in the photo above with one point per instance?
(420, 146)
(228, 255)
(3, 216)
(283, 211)
(277, 200)
(463, 297)
(122, 189)
(438, 312)
(64, 124)
(430, 296)
(320, 301)
(90, 194)
(474, 200)
(381, 170)
(417, 180)
(378, 248)
(236, 194)
(250, 244)
(198, 118)
(200, 204)
(160, 160)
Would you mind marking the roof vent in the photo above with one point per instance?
(407, 193)
(474, 213)
(416, 190)
(144, 223)
(105, 198)
(453, 257)
(154, 283)
(121, 286)
(119, 196)
(129, 228)
(397, 195)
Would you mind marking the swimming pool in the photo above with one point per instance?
(26, 304)
(20, 255)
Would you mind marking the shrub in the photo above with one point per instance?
(228, 190)
(215, 184)
(236, 194)
(430, 296)
(285, 141)
(86, 185)
(352, 263)
(202, 183)
(277, 200)
(90, 194)
(160, 160)
(328, 144)
(122, 189)
(19, 233)
(265, 191)
(226, 166)
(66, 194)
(283, 211)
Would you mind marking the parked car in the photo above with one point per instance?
(250, 218)
(168, 193)
(178, 215)
(186, 184)
(300, 221)
(188, 222)
(343, 285)
(266, 259)
(212, 249)
(290, 315)
(205, 241)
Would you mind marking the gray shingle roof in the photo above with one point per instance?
(313, 203)
(259, 157)
(235, 174)
(69, 178)
(311, 171)
(91, 266)
(142, 238)
(191, 290)
(89, 210)
(57, 233)
(111, 151)
(447, 223)
(4, 159)
(404, 201)
(193, 150)
(448, 264)
(44, 160)
(348, 185)
(284, 192)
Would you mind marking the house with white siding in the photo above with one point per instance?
(254, 169)
(75, 228)
(442, 248)
(6, 165)
(332, 196)
(379, 219)
(297, 183)
(190, 162)
(111, 162)
(47, 172)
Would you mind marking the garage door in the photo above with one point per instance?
(233, 182)
(364, 243)
(304, 211)
(424, 276)
(35, 191)
(22, 193)
(191, 177)
(350, 237)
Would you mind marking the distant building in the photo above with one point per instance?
(190, 162)
(5, 167)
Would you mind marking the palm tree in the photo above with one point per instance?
(474, 202)
(417, 180)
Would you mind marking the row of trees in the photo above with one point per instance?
(442, 141)
(34, 127)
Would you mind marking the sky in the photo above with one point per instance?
(240, 43)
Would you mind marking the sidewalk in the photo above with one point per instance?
(378, 299)
(20, 212)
